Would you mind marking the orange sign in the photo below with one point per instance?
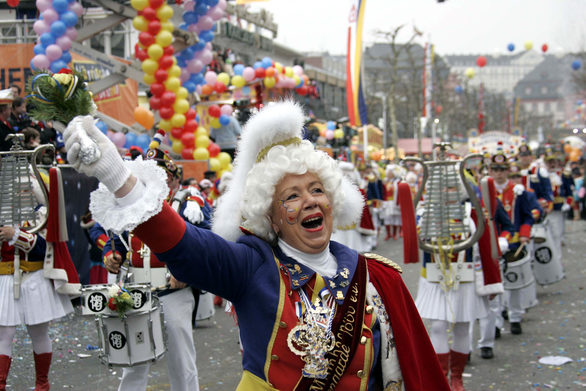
(15, 64)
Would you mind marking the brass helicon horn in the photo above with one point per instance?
(17, 200)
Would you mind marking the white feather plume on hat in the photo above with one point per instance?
(277, 123)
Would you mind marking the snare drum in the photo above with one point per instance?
(133, 339)
(94, 299)
(539, 233)
(157, 276)
(517, 273)
(547, 266)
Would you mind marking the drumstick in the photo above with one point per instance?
(519, 249)
(162, 287)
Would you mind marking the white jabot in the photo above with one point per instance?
(500, 188)
(323, 263)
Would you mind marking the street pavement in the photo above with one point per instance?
(553, 328)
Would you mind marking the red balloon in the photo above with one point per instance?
(259, 73)
(161, 75)
(13, 3)
(302, 90)
(481, 61)
(544, 48)
(166, 112)
(213, 149)
(155, 103)
(219, 87)
(166, 62)
(188, 140)
(154, 27)
(176, 132)
(190, 114)
(168, 51)
(147, 39)
(157, 89)
(190, 126)
(156, 3)
(168, 98)
(214, 111)
(141, 54)
(149, 13)
(187, 153)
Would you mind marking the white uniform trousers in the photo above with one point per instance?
(177, 309)
(489, 323)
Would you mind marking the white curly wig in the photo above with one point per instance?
(270, 148)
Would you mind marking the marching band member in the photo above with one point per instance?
(313, 314)
(177, 299)
(535, 177)
(391, 211)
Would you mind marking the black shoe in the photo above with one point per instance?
(497, 333)
(516, 328)
(486, 353)
(505, 315)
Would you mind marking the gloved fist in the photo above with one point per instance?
(503, 244)
(104, 163)
(566, 207)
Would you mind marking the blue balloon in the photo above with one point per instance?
(60, 5)
(189, 17)
(211, 3)
(458, 89)
(576, 64)
(39, 49)
(238, 69)
(301, 82)
(57, 65)
(331, 125)
(267, 62)
(510, 47)
(189, 53)
(215, 27)
(47, 39)
(579, 103)
(143, 141)
(224, 120)
(130, 139)
(201, 9)
(66, 57)
(246, 90)
(71, 1)
(189, 86)
(206, 36)
(33, 67)
(58, 28)
(199, 46)
(197, 118)
(69, 18)
(257, 65)
(102, 126)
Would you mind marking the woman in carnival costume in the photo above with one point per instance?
(313, 314)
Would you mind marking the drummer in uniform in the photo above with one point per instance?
(535, 177)
(523, 210)
(177, 298)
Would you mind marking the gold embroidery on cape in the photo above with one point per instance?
(384, 261)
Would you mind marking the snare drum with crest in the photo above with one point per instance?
(517, 271)
(132, 339)
(94, 298)
(547, 263)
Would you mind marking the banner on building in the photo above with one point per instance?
(354, 89)
(15, 66)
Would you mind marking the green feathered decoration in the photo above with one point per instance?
(59, 96)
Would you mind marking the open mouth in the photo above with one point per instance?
(312, 222)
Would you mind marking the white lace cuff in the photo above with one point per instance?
(144, 201)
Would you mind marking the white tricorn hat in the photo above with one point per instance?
(270, 147)
(6, 96)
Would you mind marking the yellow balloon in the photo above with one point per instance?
(202, 141)
(269, 82)
(182, 93)
(214, 164)
(172, 84)
(149, 79)
(155, 51)
(338, 133)
(278, 67)
(165, 125)
(140, 23)
(181, 106)
(149, 66)
(288, 71)
(164, 38)
(139, 5)
(164, 13)
(224, 78)
(174, 71)
(201, 154)
(215, 123)
(470, 73)
(177, 146)
(224, 159)
(154, 144)
(238, 81)
(178, 120)
(528, 45)
(201, 131)
(167, 26)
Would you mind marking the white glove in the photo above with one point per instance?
(504, 245)
(566, 207)
(109, 167)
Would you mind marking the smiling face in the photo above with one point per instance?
(301, 213)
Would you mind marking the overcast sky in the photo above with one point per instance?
(455, 26)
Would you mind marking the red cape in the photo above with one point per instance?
(419, 364)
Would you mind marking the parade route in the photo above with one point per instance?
(555, 327)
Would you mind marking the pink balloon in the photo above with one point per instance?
(208, 46)
(40, 61)
(193, 28)
(205, 23)
(221, 4)
(198, 89)
(248, 73)
(50, 15)
(43, 5)
(71, 32)
(194, 66)
(329, 134)
(64, 42)
(216, 13)
(53, 52)
(206, 56)
(226, 110)
(76, 7)
(297, 70)
(118, 138)
(184, 75)
(41, 27)
(211, 77)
